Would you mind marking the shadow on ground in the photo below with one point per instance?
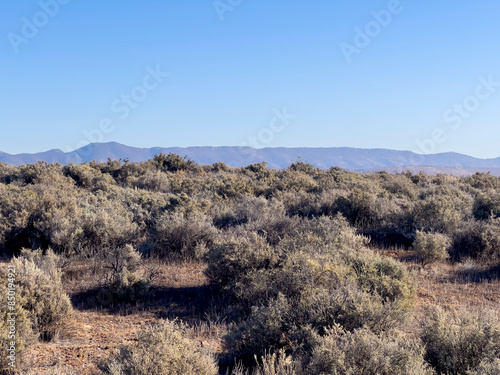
(184, 303)
(474, 275)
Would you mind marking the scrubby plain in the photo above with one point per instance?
(169, 267)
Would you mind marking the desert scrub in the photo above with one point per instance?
(162, 349)
(181, 236)
(362, 352)
(41, 290)
(277, 363)
(462, 345)
(296, 294)
(24, 332)
(124, 281)
(431, 247)
(478, 240)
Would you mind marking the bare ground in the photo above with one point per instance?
(92, 334)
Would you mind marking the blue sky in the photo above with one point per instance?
(408, 75)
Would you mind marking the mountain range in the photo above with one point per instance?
(364, 160)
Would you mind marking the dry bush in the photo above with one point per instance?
(487, 205)
(442, 211)
(162, 349)
(43, 296)
(477, 240)
(176, 235)
(230, 259)
(277, 363)
(431, 247)
(24, 335)
(456, 347)
(152, 181)
(124, 282)
(83, 175)
(267, 217)
(487, 367)
(108, 224)
(295, 292)
(335, 231)
(362, 352)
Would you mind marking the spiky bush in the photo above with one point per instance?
(162, 349)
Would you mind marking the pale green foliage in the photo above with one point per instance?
(431, 247)
(455, 347)
(184, 236)
(362, 352)
(308, 283)
(487, 367)
(124, 281)
(277, 363)
(23, 325)
(42, 293)
(162, 349)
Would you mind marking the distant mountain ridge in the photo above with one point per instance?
(366, 160)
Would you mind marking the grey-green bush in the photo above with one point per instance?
(43, 296)
(124, 282)
(362, 352)
(456, 347)
(162, 349)
(431, 247)
(182, 236)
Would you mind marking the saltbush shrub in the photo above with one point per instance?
(487, 205)
(277, 363)
(162, 349)
(20, 326)
(295, 290)
(456, 347)
(477, 240)
(181, 236)
(124, 282)
(431, 247)
(41, 290)
(362, 352)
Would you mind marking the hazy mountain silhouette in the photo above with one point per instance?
(280, 157)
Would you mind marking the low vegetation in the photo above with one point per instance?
(295, 261)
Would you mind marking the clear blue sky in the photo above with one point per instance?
(227, 77)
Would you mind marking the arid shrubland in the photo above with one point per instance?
(164, 349)
(181, 236)
(124, 282)
(303, 285)
(431, 247)
(293, 253)
(464, 344)
(40, 306)
(362, 352)
(38, 279)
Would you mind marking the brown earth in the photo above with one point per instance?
(93, 334)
